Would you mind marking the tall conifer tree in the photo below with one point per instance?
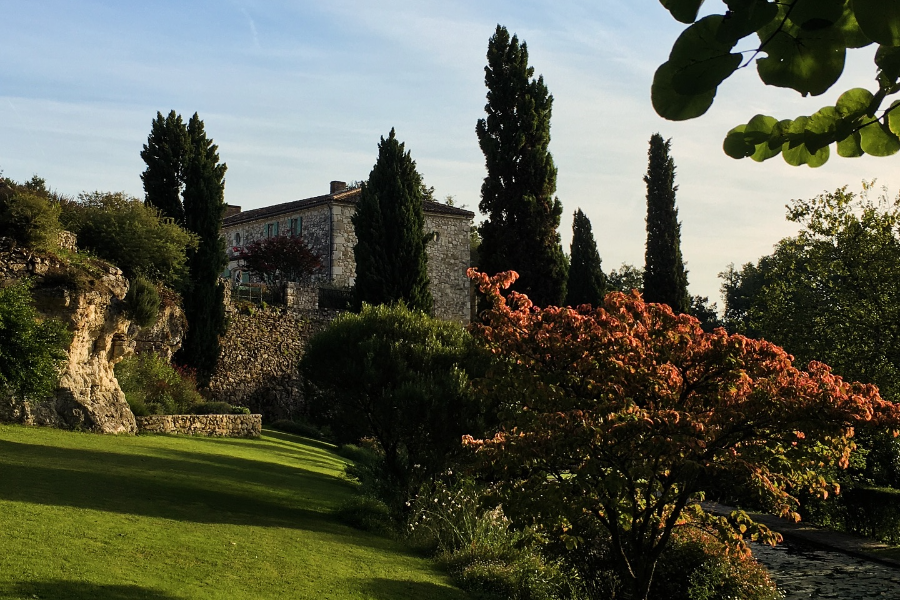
(204, 207)
(665, 279)
(587, 282)
(166, 153)
(518, 193)
(391, 261)
(185, 180)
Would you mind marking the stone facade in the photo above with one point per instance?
(325, 224)
(240, 426)
(257, 365)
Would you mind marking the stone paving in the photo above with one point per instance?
(805, 572)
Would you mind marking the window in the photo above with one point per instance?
(296, 225)
(272, 229)
(237, 238)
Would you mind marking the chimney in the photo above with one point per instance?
(338, 186)
(231, 209)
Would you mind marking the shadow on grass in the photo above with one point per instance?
(80, 590)
(202, 488)
(392, 589)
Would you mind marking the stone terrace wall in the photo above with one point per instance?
(257, 366)
(242, 426)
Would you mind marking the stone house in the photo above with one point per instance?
(324, 222)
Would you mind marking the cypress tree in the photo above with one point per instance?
(518, 193)
(166, 154)
(204, 207)
(587, 282)
(665, 279)
(391, 261)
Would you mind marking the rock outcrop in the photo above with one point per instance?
(88, 298)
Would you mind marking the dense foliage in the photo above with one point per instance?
(28, 215)
(830, 294)
(518, 193)
(166, 154)
(133, 236)
(280, 259)
(614, 418)
(391, 262)
(31, 349)
(154, 387)
(805, 44)
(665, 279)
(626, 278)
(586, 281)
(400, 377)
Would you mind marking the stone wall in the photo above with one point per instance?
(301, 296)
(448, 261)
(240, 426)
(257, 366)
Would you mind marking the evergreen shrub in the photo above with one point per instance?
(142, 302)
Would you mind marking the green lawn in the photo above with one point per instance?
(158, 517)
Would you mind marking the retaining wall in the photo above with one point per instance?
(242, 426)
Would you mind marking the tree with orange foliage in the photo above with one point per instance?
(614, 417)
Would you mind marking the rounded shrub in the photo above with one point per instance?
(152, 386)
(28, 217)
(213, 408)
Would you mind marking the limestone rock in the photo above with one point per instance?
(89, 300)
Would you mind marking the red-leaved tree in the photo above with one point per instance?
(280, 259)
(614, 417)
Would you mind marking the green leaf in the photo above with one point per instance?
(821, 128)
(877, 140)
(673, 106)
(813, 15)
(808, 63)
(887, 59)
(764, 152)
(849, 146)
(854, 103)
(700, 42)
(893, 117)
(779, 134)
(759, 129)
(796, 155)
(745, 19)
(735, 145)
(879, 19)
(848, 27)
(683, 10)
(705, 75)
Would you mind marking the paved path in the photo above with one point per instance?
(808, 573)
(816, 563)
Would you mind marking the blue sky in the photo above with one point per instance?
(298, 93)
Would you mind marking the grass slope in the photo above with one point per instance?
(85, 516)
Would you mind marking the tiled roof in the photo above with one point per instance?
(347, 196)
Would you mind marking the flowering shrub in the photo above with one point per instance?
(614, 417)
(478, 545)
